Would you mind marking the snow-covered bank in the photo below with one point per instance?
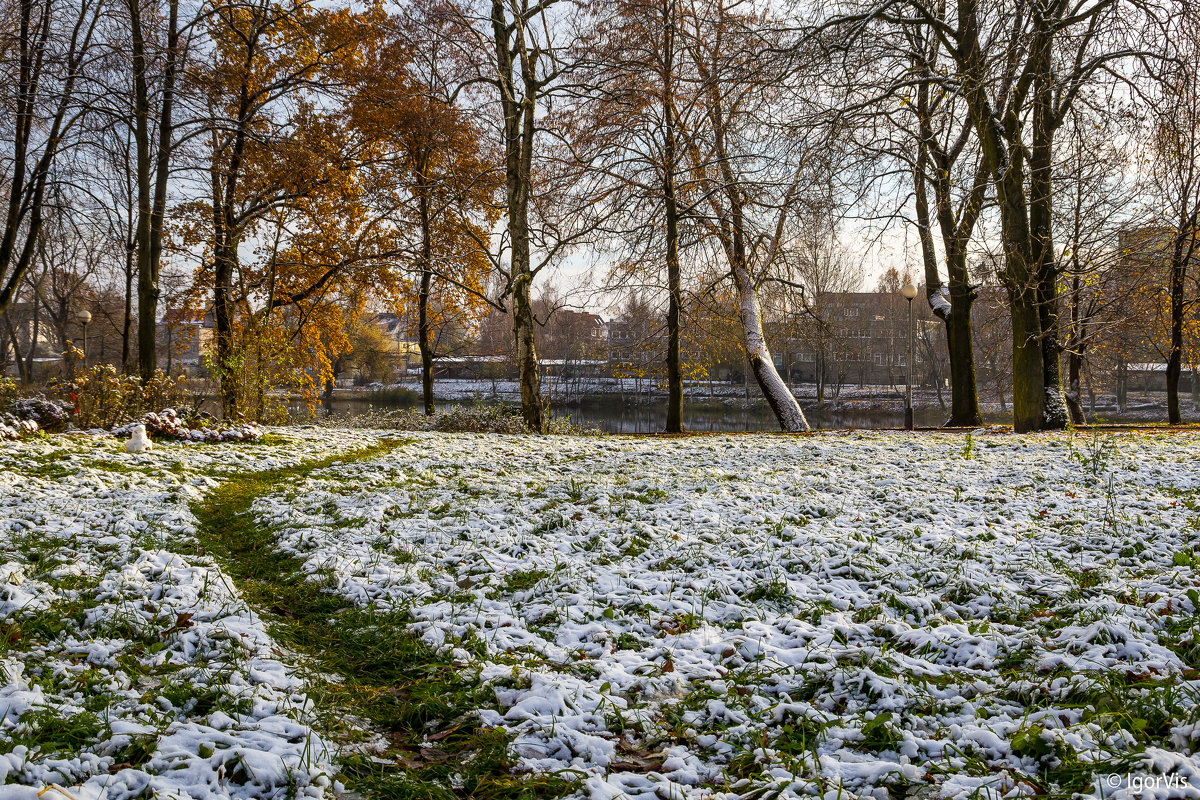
(846, 615)
(129, 665)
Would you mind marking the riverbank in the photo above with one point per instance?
(729, 411)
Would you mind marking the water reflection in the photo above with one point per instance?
(614, 416)
(617, 418)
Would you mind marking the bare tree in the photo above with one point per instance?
(755, 171)
(44, 60)
(1176, 176)
(632, 134)
(1094, 201)
(1020, 69)
(152, 159)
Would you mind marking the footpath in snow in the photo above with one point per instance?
(129, 665)
(844, 615)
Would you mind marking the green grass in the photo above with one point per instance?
(384, 674)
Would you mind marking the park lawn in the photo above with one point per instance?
(843, 614)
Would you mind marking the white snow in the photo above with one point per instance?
(130, 665)
(722, 616)
(842, 615)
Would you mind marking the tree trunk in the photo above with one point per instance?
(674, 302)
(779, 398)
(1028, 395)
(1028, 276)
(223, 334)
(956, 232)
(424, 337)
(1175, 355)
(127, 319)
(671, 210)
(1041, 220)
(1122, 387)
(31, 353)
(1075, 395)
(527, 364)
(152, 201)
(964, 391)
(1075, 345)
(147, 286)
(22, 368)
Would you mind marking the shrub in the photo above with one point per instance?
(8, 391)
(168, 424)
(46, 413)
(104, 397)
(12, 428)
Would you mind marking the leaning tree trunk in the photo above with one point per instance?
(956, 315)
(956, 232)
(783, 404)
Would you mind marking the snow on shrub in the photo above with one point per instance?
(46, 413)
(12, 428)
(167, 424)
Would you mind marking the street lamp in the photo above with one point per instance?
(84, 316)
(909, 291)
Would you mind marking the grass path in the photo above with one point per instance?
(366, 673)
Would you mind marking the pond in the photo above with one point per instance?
(611, 415)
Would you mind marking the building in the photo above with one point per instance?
(184, 339)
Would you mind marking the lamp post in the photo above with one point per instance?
(909, 291)
(84, 317)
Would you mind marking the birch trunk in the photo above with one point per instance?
(783, 404)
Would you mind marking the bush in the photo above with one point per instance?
(103, 397)
(168, 424)
(8, 391)
(12, 428)
(46, 413)
(474, 418)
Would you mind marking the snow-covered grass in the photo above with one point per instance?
(865, 615)
(774, 616)
(129, 665)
